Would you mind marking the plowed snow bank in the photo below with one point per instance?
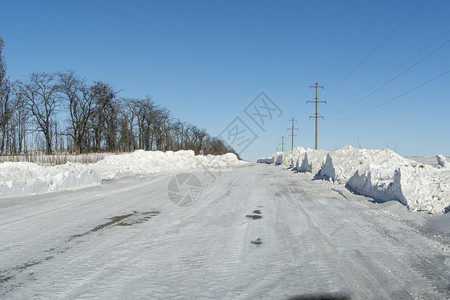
(381, 174)
(23, 178)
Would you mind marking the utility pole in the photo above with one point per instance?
(292, 133)
(316, 101)
(282, 144)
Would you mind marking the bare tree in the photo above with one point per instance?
(19, 126)
(80, 103)
(11, 104)
(145, 114)
(104, 116)
(199, 135)
(161, 122)
(125, 121)
(135, 107)
(41, 93)
(177, 135)
(8, 104)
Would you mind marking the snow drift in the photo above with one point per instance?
(301, 159)
(381, 174)
(442, 161)
(313, 161)
(23, 178)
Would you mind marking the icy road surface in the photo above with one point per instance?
(255, 232)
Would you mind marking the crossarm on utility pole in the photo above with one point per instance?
(316, 101)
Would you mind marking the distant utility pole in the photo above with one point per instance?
(282, 144)
(292, 134)
(316, 101)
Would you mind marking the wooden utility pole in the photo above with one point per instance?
(282, 144)
(316, 101)
(292, 133)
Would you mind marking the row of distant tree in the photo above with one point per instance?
(63, 112)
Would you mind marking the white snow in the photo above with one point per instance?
(297, 157)
(127, 240)
(282, 158)
(381, 174)
(442, 161)
(301, 159)
(313, 161)
(23, 178)
(423, 189)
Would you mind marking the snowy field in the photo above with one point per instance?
(420, 183)
(116, 230)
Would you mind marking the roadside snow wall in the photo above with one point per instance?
(23, 178)
(381, 174)
(313, 161)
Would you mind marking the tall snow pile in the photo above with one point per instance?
(442, 161)
(423, 189)
(287, 159)
(383, 175)
(23, 178)
(342, 164)
(283, 158)
(313, 161)
(302, 160)
(297, 157)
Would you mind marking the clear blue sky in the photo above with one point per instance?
(207, 60)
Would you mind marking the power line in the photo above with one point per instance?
(393, 31)
(358, 41)
(392, 79)
(404, 63)
(396, 97)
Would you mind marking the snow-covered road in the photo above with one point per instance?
(256, 232)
